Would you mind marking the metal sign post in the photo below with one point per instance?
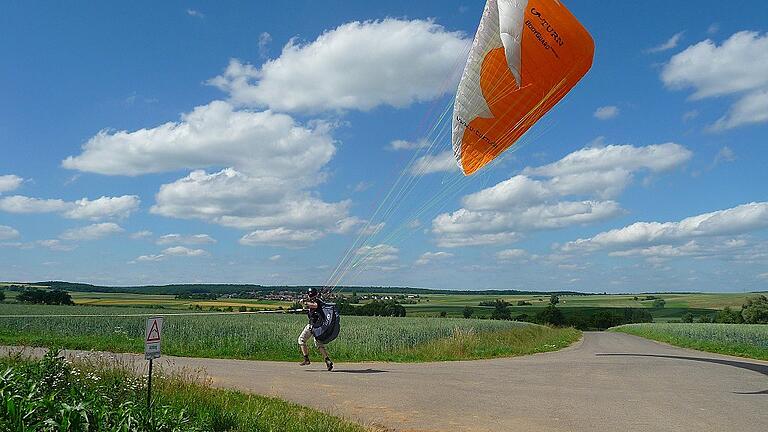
(152, 351)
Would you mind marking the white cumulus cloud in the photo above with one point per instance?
(430, 257)
(151, 258)
(511, 254)
(739, 66)
(234, 199)
(669, 44)
(265, 165)
(10, 182)
(56, 245)
(379, 254)
(441, 162)
(103, 208)
(23, 204)
(98, 209)
(751, 109)
(737, 220)
(656, 158)
(501, 213)
(212, 135)
(141, 234)
(185, 239)
(92, 232)
(282, 237)
(606, 112)
(8, 233)
(184, 251)
(408, 145)
(358, 65)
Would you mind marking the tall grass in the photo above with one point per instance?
(744, 340)
(52, 394)
(273, 337)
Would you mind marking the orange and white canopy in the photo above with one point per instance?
(527, 54)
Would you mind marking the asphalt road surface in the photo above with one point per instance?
(607, 382)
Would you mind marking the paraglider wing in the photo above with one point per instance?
(527, 54)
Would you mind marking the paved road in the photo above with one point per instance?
(608, 382)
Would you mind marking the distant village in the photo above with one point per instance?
(294, 296)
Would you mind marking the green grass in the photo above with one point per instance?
(743, 340)
(273, 337)
(54, 395)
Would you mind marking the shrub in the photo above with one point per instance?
(687, 317)
(523, 303)
(467, 312)
(659, 303)
(501, 311)
(554, 300)
(551, 315)
(755, 310)
(728, 316)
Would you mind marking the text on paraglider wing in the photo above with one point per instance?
(540, 38)
(548, 27)
(479, 134)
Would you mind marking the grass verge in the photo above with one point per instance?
(469, 345)
(742, 340)
(53, 394)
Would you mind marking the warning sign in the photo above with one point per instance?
(152, 338)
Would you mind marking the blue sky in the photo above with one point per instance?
(240, 142)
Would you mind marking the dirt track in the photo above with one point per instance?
(608, 382)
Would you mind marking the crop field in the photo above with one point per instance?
(745, 340)
(161, 301)
(697, 300)
(676, 304)
(273, 336)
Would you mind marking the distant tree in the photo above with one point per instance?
(522, 317)
(467, 312)
(523, 303)
(501, 311)
(443, 314)
(755, 310)
(354, 299)
(242, 309)
(687, 317)
(551, 315)
(554, 300)
(706, 319)
(229, 309)
(38, 296)
(376, 308)
(729, 316)
(659, 303)
(2, 295)
(634, 298)
(490, 302)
